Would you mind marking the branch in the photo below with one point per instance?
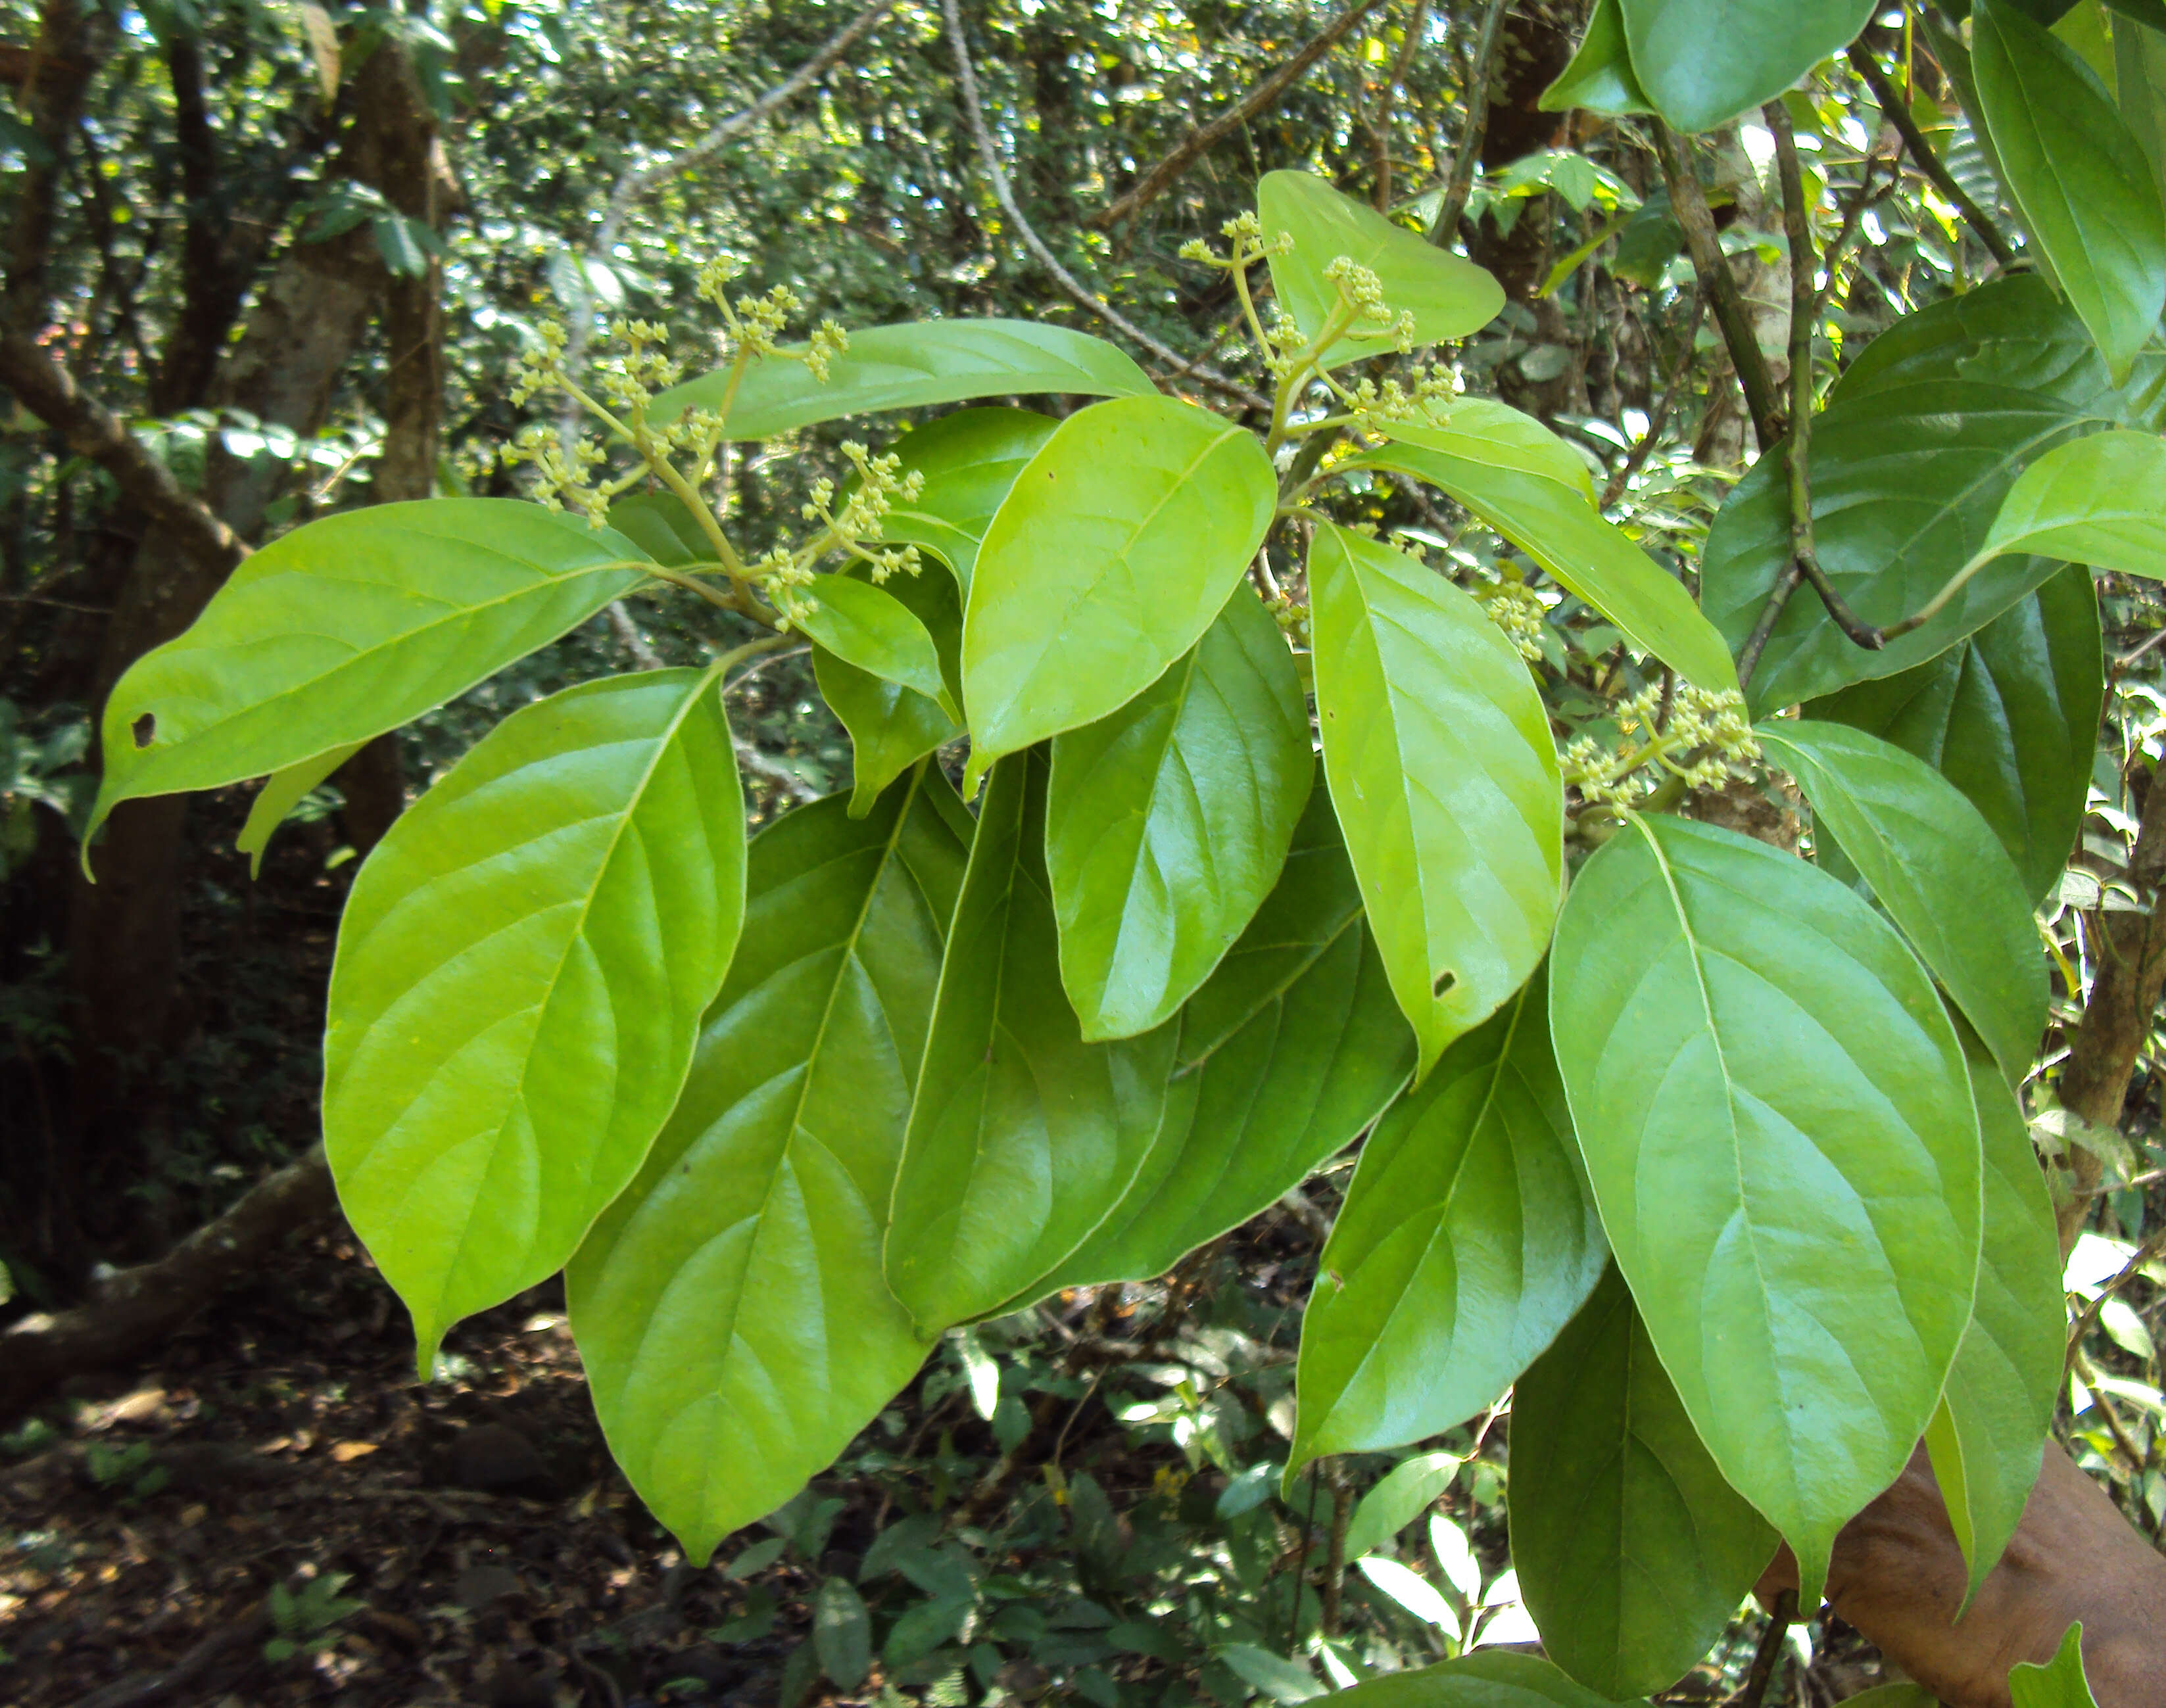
(1897, 112)
(1713, 267)
(49, 392)
(1382, 127)
(1446, 226)
(1636, 459)
(1160, 177)
(967, 75)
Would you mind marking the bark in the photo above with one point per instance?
(72, 43)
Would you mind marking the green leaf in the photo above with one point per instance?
(2060, 1684)
(2100, 501)
(660, 525)
(1119, 543)
(1988, 1434)
(1489, 1679)
(892, 727)
(282, 792)
(1903, 1694)
(1633, 1553)
(843, 1633)
(1284, 1681)
(750, 1243)
(1403, 1495)
(2077, 174)
(1937, 867)
(1703, 61)
(346, 628)
(2139, 61)
(1527, 484)
(908, 367)
(2009, 716)
(1467, 1239)
(1600, 78)
(868, 627)
(1292, 1047)
(520, 972)
(1444, 776)
(1449, 297)
(1412, 1591)
(969, 460)
(1777, 1123)
(1021, 1135)
(1167, 822)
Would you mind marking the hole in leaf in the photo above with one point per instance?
(1443, 982)
(143, 729)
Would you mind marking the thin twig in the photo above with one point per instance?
(1382, 128)
(1754, 1690)
(1201, 141)
(1897, 112)
(1446, 226)
(1679, 371)
(1301, 1565)
(966, 75)
(1689, 204)
(2147, 1252)
(2081, 1367)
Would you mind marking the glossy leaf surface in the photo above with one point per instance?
(1533, 489)
(868, 626)
(1991, 1429)
(1489, 1679)
(2100, 501)
(1937, 867)
(2009, 716)
(1600, 78)
(1703, 62)
(1467, 1239)
(1167, 822)
(1118, 544)
(1445, 776)
(1633, 1553)
(1021, 1137)
(1449, 297)
(970, 460)
(729, 1307)
(2081, 180)
(347, 628)
(908, 367)
(892, 727)
(521, 969)
(2061, 1683)
(282, 792)
(1776, 1119)
(1292, 1047)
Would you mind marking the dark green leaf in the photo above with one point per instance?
(1489, 1679)
(1600, 78)
(349, 627)
(1406, 1491)
(969, 460)
(2077, 174)
(1167, 822)
(842, 1632)
(2139, 66)
(1021, 1135)
(520, 973)
(1703, 61)
(1118, 544)
(2009, 716)
(1633, 1553)
(1467, 1239)
(1444, 776)
(660, 525)
(909, 367)
(1778, 1122)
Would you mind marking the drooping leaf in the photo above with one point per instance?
(868, 627)
(1444, 776)
(2077, 173)
(892, 727)
(2062, 1683)
(2100, 501)
(729, 1307)
(1600, 78)
(1467, 1239)
(1488, 1678)
(1937, 867)
(1021, 1137)
(1406, 1491)
(1117, 544)
(1778, 1122)
(1292, 1047)
(346, 628)
(1633, 1553)
(2009, 716)
(1988, 1434)
(1519, 478)
(1168, 821)
(520, 972)
(1449, 297)
(282, 792)
(908, 367)
(970, 460)
(1703, 61)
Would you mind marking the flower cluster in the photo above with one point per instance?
(1704, 737)
(561, 469)
(1515, 608)
(786, 576)
(1362, 299)
(756, 323)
